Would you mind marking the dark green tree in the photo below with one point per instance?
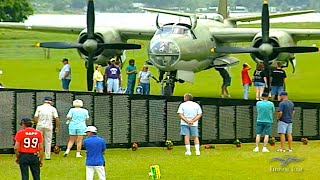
(15, 10)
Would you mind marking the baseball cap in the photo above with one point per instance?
(26, 120)
(47, 98)
(283, 93)
(265, 94)
(91, 129)
(112, 59)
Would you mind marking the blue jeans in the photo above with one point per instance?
(145, 88)
(246, 91)
(276, 90)
(65, 84)
(130, 86)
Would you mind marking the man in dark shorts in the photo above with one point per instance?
(277, 81)
(226, 82)
(29, 150)
(265, 111)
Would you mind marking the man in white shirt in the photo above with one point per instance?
(65, 74)
(43, 117)
(190, 112)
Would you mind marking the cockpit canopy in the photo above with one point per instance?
(174, 29)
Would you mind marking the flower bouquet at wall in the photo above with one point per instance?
(237, 143)
(272, 141)
(304, 141)
(169, 144)
(209, 146)
(56, 149)
(134, 146)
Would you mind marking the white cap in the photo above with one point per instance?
(91, 129)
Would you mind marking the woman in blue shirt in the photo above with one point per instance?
(77, 118)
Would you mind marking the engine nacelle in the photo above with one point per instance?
(277, 39)
(102, 35)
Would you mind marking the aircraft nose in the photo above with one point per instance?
(164, 53)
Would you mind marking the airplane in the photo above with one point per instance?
(180, 50)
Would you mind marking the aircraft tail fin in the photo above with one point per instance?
(223, 8)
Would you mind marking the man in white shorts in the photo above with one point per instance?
(189, 113)
(95, 147)
(43, 117)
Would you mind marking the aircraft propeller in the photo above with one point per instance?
(266, 48)
(90, 45)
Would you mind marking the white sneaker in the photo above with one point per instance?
(65, 154)
(289, 150)
(264, 149)
(198, 153)
(281, 150)
(256, 149)
(78, 156)
(188, 153)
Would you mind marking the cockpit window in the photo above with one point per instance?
(165, 30)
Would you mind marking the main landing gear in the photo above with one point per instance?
(168, 83)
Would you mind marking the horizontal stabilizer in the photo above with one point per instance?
(275, 15)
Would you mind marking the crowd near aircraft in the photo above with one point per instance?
(179, 50)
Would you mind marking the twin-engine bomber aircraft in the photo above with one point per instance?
(182, 49)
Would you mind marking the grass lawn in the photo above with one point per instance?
(224, 162)
(24, 66)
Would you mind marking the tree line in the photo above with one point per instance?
(19, 10)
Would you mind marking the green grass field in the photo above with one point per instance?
(24, 66)
(224, 162)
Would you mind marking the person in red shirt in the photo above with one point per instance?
(29, 150)
(246, 81)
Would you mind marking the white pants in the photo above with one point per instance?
(47, 137)
(99, 169)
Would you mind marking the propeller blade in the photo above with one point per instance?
(90, 72)
(265, 22)
(59, 45)
(296, 49)
(90, 19)
(294, 64)
(119, 46)
(236, 50)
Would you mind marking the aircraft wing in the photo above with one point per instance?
(229, 35)
(275, 15)
(42, 28)
(127, 32)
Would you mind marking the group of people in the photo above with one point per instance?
(190, 113)
(259, 81)
(111, 80)
(266, 109)
(29, 142)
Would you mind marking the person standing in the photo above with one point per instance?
(98, 79)
(246, 81)
(29, 150)
(77, 125)
(144, 79)
(190, 113)
(226, 78)
(95, 147)
(113, 77)
(43, 117)
(285, 116)
(65, 74)
(131, 71)
(259, 79)
(265, 111)
(277, 81)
